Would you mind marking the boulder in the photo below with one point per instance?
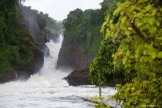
(78, 77)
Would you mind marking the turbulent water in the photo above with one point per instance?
(48, 89)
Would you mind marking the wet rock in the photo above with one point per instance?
(24, 71)
(78, 77)
(72, 55)
(8, 75)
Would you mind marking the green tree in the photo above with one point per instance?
(84, 27)
(138, 31)
(73, 25)
(102, 69)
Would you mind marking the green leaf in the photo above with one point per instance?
(124, 60)
(148, 7)
(127, 32)
(128, 53)
(139, 24)
(158, 24)
(123, 19)
(153, 29)
(153, 55)
(151, 21)
(116, 12)
(159, 55)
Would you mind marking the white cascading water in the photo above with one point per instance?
(48, 89)
(48, 71)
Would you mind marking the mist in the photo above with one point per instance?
(59, 9)
(41, 27)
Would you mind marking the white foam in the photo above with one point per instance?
(48, 89)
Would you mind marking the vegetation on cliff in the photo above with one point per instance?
(136, 27)
(23, 33)
(41, 26)
(84, 27)
(16, 44)
(82, 37)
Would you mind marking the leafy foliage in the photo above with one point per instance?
(102, 71)
(138, 31)
(99, 102)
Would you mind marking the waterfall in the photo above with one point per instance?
(49, 73)
(48, 89)
(50, 62)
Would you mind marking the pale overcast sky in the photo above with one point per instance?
(59, 9)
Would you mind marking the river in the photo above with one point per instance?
(48, 89)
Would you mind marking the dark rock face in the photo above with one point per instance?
(8, 75)
(73, 56)
(21, 66)
(24, 71)
(78, 77)
(30, 21)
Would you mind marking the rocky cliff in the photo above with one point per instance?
(42, 27)
(73, 56)
(22, 40)
(23, 71)
(81, 39)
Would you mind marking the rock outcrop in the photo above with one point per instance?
(37, 24)
(8, 75)
(26, 33)
(24, 71)
(73, 56)
(78, 77)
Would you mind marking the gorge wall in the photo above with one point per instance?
(23, 33)
(42, 27)
(81, 38)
